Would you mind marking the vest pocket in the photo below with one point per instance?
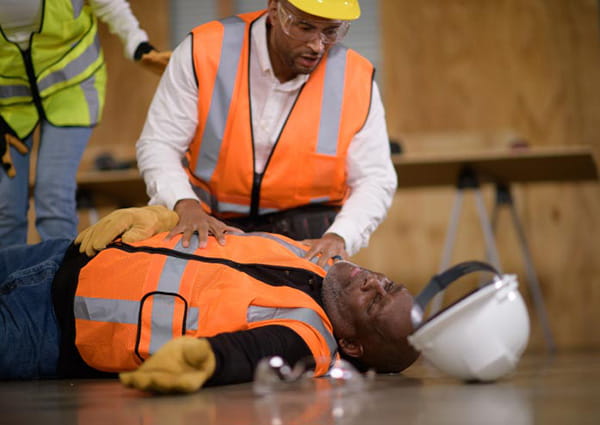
(163, 316)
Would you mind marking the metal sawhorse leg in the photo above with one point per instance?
(504, 199)
(468, 180)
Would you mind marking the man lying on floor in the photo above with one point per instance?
(175, 319)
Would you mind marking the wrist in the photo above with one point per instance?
(142, 48)
(185, 203)
(336, 236)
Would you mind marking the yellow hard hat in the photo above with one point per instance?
(344, 10)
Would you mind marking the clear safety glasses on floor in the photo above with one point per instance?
(273, 374)
(293, 396)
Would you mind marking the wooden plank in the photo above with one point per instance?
(121, 188)
(541, 164)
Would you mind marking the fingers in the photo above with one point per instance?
(163, 382)
(328, 247)
(181, 365)
(204, 226)
(7, 163)
(219, 230)
(314, 249)
(189, 231)
(17, 144)
(90, 242)
(81, 239)
(325, 256)
(136, 234)
(155, 61)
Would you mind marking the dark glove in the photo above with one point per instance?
(8, 138)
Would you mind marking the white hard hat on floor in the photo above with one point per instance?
(480, 337)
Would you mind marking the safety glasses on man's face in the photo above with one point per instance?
(329, 31)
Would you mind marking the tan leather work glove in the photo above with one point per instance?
(132, 224)
(9, 138)
(156, 61)
(182, 365)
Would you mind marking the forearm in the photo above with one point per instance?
(371, 178)
(170, 125)
(121, 21)
(238, 353)
(164, 176)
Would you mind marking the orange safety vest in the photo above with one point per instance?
(308, 162)
(132, 299)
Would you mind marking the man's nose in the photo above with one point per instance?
(316, 43)
(372, 283)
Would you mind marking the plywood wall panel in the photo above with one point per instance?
(471, 75)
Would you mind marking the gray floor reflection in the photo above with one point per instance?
(558, 392)
(476, 404)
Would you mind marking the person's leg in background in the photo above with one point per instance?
(29, 334)
(60, 152)
(14, 199)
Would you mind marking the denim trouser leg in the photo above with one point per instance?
(14, 199)
(59, 156)
(29, 334)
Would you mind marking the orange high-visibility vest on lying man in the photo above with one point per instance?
(308, 162)
(132, 299)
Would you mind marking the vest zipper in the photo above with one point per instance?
(255, 196)
(258, 177)
(37, 99)
(313, 280)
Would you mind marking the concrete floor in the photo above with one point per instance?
(564, 389)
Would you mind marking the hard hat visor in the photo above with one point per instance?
(344, 10)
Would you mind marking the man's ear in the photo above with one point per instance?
(271, 11)
(351, 347)
(272, 6)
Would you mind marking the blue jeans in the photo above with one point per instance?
(29, 333)
(59, 155)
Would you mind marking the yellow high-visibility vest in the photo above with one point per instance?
(61, 77)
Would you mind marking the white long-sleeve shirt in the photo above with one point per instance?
(173, 117)
(19, 18)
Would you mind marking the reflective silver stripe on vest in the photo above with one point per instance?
(212, 138)
(299, 252)
(73, 68)
(331, 104)
(77, 7)
(15, 91)
(106, 310)
(224, 207)
(320, 200)
(92, 98)
(191, 321)
(206, 197)
(163, 306)
(306, 315)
